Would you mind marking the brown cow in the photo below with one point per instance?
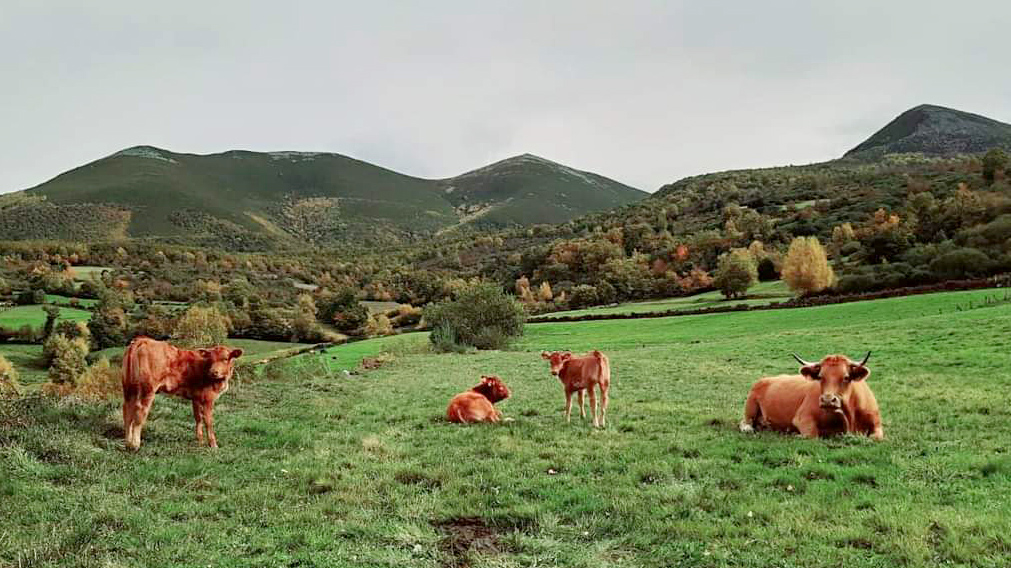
(477, 404)
(151, 366)
(830, 397)
(580, 374)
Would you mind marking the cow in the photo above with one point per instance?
(579, 374)
(151, 366)
(830, 397)
(477, 404)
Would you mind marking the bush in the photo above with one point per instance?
(9, 386)
(481, 316)
(444, 340)
(378, 325)
(65, 330)
(108, 327)
(961, 263)
(583, 295)
(69, 359)
(100, 381)
(767, 270)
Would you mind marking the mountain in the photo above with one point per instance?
(935, 131)
(534, 190)
(254, 200)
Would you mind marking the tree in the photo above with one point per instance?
(52, 314)
(736, 273)
(201, 327)
(544, 292)
(806, 268)
(70, 358)
(995, 160)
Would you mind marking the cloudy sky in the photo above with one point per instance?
(644, 92)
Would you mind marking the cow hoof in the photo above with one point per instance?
(747, 428)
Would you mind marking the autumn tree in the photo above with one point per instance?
(806, 268)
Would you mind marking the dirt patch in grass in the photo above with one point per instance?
(466, 536)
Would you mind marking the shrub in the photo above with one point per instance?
(736, 273)
(9, 386)
(64, 331)
(69, 359)
(108, 327)
(444, 340)
(100, 381)
(201, 326)
(378, 325)
(482, 316)
(961, 263)
(583, 295)
(806, 267)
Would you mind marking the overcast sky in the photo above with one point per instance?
(643, 92)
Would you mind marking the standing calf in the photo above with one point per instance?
(830, 397)
(579, 374)
(151, 366)
(477, 404)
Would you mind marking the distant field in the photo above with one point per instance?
(82, 273)
(34, 316)
(767, 292)
(319, 469)
(65, 300)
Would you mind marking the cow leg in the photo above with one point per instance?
(806, 425)
(141, 408)
(208, 414)
(198, 418)
(593, 405)
(752, 412)
(603, 404)
(568, 405)
(582, 407)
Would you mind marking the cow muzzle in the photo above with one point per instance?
(830, 402)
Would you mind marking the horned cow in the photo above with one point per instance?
(830, 397)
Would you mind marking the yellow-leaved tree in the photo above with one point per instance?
(806, 268)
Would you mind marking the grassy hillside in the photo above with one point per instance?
(533, 189)
(318, 469)
(251, 200)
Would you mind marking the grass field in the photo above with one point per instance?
(320, 470)
(35, 316)
(65, 300)
(759, 295)
(82, 273)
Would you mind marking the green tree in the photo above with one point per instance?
(52, 314)
(736, 272)
(995, 160)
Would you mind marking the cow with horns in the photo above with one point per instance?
(830, 397)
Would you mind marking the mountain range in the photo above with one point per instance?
(253, 200)
(241, 200)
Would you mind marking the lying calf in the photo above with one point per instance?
(477, 404)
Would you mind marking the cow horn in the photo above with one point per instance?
(866, 357)
(799, 360)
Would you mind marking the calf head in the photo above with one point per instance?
(557, 360)
(836, 373)
(492, 388)
(220, 361)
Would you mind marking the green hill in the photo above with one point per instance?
(255, 200)
(935, 131)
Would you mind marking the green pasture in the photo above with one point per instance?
(35, 316)
(61, 301)
(82, 273)
(319, 469)
(760, 294)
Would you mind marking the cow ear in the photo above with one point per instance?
(859, 372)
(235, 354)
(566, 356)
(811, 371)
(204, 352)
(545, 355)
